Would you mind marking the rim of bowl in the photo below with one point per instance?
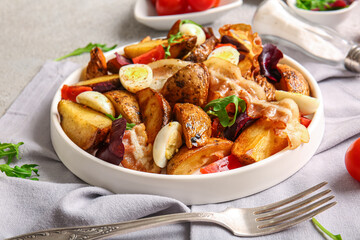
(292, 4)
(54, 118)
(220, 8)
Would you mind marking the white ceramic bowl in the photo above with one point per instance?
(145, 13)
(190, 189)
(326, 18)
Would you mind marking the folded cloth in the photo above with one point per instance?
(60, 199)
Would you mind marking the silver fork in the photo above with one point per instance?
(240, 221)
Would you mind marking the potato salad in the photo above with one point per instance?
(190, 103)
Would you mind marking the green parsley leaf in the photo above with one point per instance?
(129, 126)
(217, 108)
(172, 39)
(10, 150)
(87, 49)
(24, 171)
(332, 236)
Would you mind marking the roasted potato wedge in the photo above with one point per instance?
(97, 65)
(292, 81)
(135, 50)
(174, 28)
(125, 103)
(102, 84)
(257, 142)
(188, 85)
(163, 69)
(182, 46)
(155, 111)
(200, 53)
(196, 124)
(187, 161)
(84, 126)
(178, 49)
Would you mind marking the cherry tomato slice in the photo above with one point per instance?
(171, 7)
(305, 121)
(153, 55)
(221, 165)
(352, 159)
(71, 92)
(201, 5)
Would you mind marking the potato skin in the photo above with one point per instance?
(97, 66)
(125, 103)
(257, 142)
(292, 80)
(201, 53)
(84, 126)
(187, 161)
(188, 85)
(196, 124)
(103, 83)
(155, 111)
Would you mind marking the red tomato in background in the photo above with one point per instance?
(170, 7)
(201, 5)
(352, 159)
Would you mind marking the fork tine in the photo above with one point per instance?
(298, 220)
(279, 220)
(272, 206)
(271, 214)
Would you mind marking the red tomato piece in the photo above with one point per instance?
(71, 92)
(352, 159)
(305, 121)
(221, 165)
(201, 5)
(153, 55)
(216, 4)
(171, 7)
(225, 44)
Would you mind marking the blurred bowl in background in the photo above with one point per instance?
(327, 18)
(145, 13)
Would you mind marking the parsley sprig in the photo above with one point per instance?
(217, 108)
(11, 150)
(174, 37)
(332, 236)
(87, 49)
(129, 126)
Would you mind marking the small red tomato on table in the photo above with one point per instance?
(352, 159)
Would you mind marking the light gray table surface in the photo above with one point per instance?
(33, 32)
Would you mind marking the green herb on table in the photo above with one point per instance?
(332, 236)
(9, 151)
(129, 126)
(24, 171)
(87, 49)
(217, 108)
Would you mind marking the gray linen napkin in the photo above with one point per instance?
(60, 199)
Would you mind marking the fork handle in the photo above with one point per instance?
(107, 230)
